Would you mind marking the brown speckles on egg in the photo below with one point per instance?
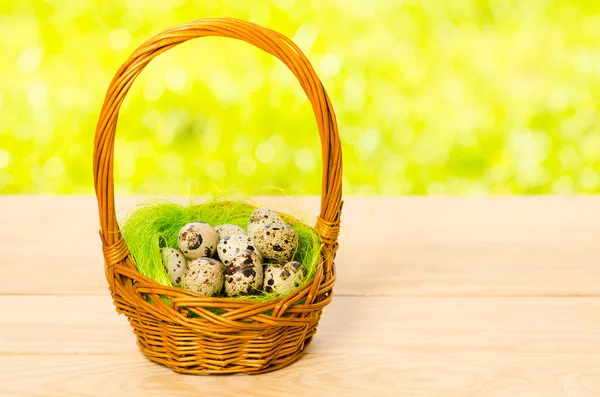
(231, 246)
(283, 279)
(174, 263)
(228, 230)
(194, 241)
(262, 216)
(204, 276)
(197, 239)
(244, 275)
(277, 242)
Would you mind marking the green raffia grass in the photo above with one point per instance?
(156, 224)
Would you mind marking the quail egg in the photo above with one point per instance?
(244, 274)
(174, 262)
(204, 276)
(276, 241)
(230, 246)
(197, 239)
(228, 229)
(283, 279)
(262, 216)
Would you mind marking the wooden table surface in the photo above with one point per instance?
(435, 297)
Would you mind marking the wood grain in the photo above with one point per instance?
(457, 297)
(376, 325)
(513, 246)
(350, 374)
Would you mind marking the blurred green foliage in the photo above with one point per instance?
(432, 97)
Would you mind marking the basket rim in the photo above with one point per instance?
(227, 300)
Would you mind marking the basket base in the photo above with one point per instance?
(201, 366)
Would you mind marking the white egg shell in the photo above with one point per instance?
(228, 229)
(244, 274)
(283, 279)
(230, 246)
(262, 216)
(204, 276)
(197, 239)
(276, 241)
(174, 262)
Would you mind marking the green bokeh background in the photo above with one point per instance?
(432, 97)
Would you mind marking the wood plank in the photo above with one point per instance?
(505, 246)
(451, 297)
(376, 325)
(357, 374)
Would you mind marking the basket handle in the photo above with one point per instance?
(268, 40)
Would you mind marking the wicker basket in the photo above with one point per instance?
(246, 337)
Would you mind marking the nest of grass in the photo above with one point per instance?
(155, 224)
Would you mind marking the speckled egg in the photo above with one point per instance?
(174, 262)
(244, 274)
(204, 276)
(262, 216)
(231, 246)
(276, 241)
(197, 239)
(228, 229)
(283, 279)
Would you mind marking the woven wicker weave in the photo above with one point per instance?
(226, 335)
